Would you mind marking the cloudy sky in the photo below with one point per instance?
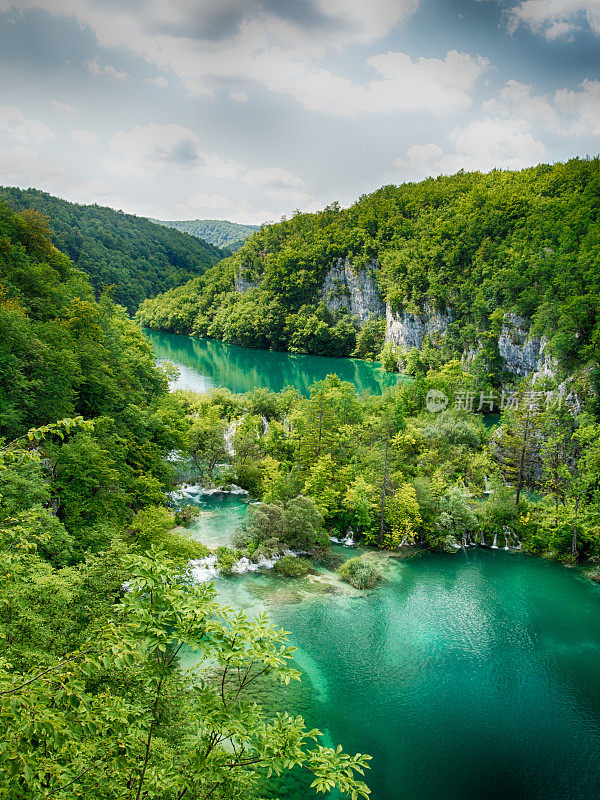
(249, 109)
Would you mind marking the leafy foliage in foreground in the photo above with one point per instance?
(119, 718)
(95, 603)
(135, 256)
(526, 242)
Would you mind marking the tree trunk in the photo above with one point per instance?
(574, 546)
(383, 488)
(521, 464)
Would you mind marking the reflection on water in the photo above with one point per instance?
(206, 363)
(471, 676)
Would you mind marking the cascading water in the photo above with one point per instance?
(229, 437)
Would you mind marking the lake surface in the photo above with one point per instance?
(206, 363)
(473, 676)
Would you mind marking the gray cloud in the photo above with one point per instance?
(219, 21)
(248, 110)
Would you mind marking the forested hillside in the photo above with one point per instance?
(137, 257)
(96, 599)
(472, 246)
(225, 235)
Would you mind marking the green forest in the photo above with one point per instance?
(98, 603)
(95, 601)
(480, 244)
(394, 474)
(134, 256)
(226, 235)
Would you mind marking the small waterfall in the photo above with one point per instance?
(495, 545)
(244, 565)
(486, 483)
(347, 541)
(195, 490)
(204, 569)
(229, 437)
(265, 424)
(482, 541)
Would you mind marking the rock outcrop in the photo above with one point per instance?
(408, 329)
(354, 290)
(242, 284)
(524, 354)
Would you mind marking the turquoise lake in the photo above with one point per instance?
(473, 676)
(206, 363)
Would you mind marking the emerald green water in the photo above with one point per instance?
(206, 363)
(466, 676)
(473, 676)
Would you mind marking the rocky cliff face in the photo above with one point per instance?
(523, 354)
(408, 330)
(242, 285)
(353, 290)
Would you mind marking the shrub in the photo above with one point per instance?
(360, 572)
(293, 567)
(186, 515)
(226, 558)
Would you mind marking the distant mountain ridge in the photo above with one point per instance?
(138, 257)
(499, 269)
(220, 232)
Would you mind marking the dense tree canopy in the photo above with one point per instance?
(482, 245)
(223, 234)
(133, 255)
(95, 597)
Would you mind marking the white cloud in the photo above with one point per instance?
(482, 145)
(203, 205)
(83, 136)
(289, 198)
(212, 22)
(368, 20)
(239, 97)
(568, 112)
(280, 45)
(426, 84)
(97, 69)
(583, 106)
(517, 100)
(16, 125)
(67, 107)
(19, 166)
(556, 18)
(91, 192)
(272, 177)
(212, 202)
(147, 149)
(160, 81)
